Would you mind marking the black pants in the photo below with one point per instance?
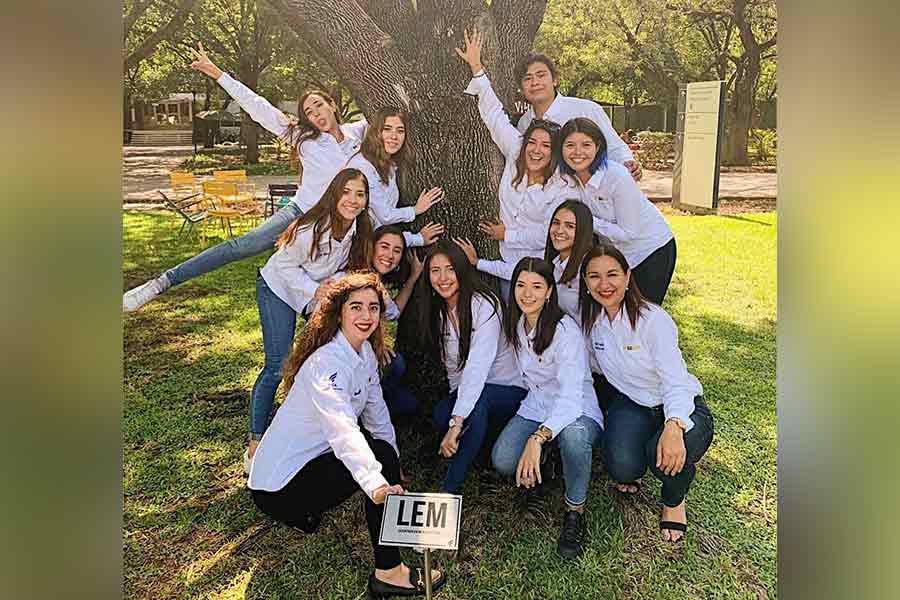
(654, 273)
(323, 483)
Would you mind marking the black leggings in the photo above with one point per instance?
(323, 483)
(654, 273)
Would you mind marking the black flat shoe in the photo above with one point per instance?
(378, 589)
(571, 538)
(308, 523)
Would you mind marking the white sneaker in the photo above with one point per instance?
(135, 298)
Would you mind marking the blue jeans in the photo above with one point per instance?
(576, 446)
(255, 241)
(496, 405)
(632, 434)
(401, 402)
(278, 320)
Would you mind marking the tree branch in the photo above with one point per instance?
(168, 30)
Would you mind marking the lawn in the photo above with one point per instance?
(191, 529)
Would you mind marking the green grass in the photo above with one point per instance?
(191, 529)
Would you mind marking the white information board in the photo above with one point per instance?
(421, 521)
(700, 127)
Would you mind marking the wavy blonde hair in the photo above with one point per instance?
(326, 321)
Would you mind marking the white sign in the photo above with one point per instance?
(696, 177)
(421, 521)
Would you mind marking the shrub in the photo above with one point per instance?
(762, 144)
(655, 149)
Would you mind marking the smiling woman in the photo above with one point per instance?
(333, 235)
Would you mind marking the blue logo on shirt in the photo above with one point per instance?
(334, 383)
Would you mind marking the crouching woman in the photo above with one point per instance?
(315, 455)
(656, 416)
(560, 405)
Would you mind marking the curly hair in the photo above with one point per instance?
(326, 321)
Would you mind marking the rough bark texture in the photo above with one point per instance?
(400, 53)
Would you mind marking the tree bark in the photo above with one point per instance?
(249, 76)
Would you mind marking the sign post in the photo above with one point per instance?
(698, 146)
(427, 521)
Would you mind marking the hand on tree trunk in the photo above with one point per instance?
(472, 52)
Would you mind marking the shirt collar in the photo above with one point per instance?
(344, 344)
(597, 178)
(622, 314)
(554, 109)
(528, 336)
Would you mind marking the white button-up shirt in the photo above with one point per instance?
(294, 277)
(565, 108)
(560, 387)
(333, 389)
(623, 214)
(525, 209)
(322, 157)
(645, 363)
(567, 293)
(383, 199)
(490, 360)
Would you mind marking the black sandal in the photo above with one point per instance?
(378, 589)
(674, 526)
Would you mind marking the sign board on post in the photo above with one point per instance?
(698, 145)
(421, 521)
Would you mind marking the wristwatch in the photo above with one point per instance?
(679, 422)
(454, 423)
(542, 435)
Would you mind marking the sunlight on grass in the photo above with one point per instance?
(191, 358)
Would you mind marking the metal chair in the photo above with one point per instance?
(187, 210)
(280, 195)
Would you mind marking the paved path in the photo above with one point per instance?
(145, 170)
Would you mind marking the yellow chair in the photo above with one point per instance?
(184, 185)
(220, 198)
(246, 197)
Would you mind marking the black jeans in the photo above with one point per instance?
(654, 274)
(323, 483)
(632, 434)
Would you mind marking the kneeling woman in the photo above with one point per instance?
(461, 321)
(315, 456)
(560, 404)
(656, 416)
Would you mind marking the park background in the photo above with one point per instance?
(190, 529)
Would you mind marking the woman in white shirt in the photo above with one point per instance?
(621, 211)
(530, 187)
(382, 158)
(323, 145)
(334, 235)
(656, 416)
(461, 323)
(315, 455)
(560, 406)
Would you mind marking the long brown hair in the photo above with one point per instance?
(551, 313)
(303, 129)
(325, 219)
(584, 238)
(326, 321)
(552, 130)
(372, 147)
(634, 300)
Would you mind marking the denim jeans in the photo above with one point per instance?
(401, 402)
(278, 320)
(255, 241)
(496, 405)
(576, 446)
(632, 434)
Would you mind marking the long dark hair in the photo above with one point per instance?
(303, 129)
(593, 131)
(433, 311)
(372, 147)
(398, 276)
(634, 301)
(326, 321)
(552, 130)
(584, 238)
(324, 218)
(550, 315)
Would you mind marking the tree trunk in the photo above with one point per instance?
(400, 53)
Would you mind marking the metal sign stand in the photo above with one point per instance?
(428, 573)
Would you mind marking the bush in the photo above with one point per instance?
(762, 144)
(655, 149)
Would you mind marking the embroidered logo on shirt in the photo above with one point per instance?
(598, 346)
(632, 347)
(334, 384)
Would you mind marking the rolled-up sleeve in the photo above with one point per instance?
(678, 386)
(617, 149)
(331, 400)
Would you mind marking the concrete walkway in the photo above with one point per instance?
(146, 169)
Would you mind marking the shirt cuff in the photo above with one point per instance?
(372, 482)
(678, 414)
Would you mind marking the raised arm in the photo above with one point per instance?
(616, 148)
(259, 109)
(507, 137)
